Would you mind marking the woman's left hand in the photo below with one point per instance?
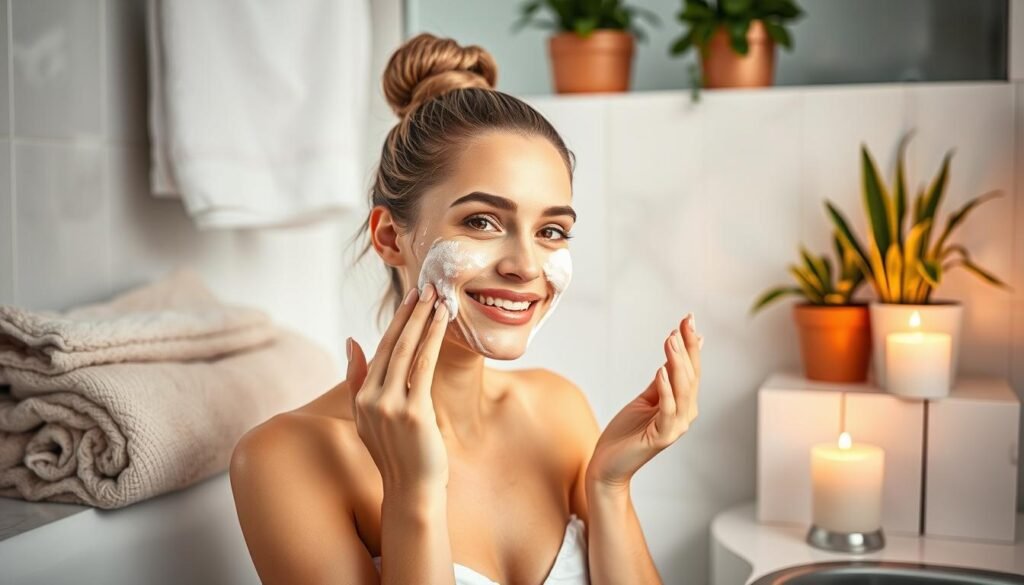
(657, 417)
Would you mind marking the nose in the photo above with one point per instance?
(520, 259)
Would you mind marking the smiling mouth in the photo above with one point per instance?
(508, 316)
(511, 306)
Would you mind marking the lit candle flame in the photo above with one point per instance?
(915, 319)
(845, 441)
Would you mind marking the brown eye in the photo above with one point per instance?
(559, 231)
(478, 218)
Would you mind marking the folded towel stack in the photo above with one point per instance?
(113, 403)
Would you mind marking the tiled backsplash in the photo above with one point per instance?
(77, 221)
(682, 207)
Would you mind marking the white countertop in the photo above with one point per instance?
(770, 547)
(189, 535)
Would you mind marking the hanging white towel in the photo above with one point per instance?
(258, 109)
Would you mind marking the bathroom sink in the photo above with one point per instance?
(885, 573)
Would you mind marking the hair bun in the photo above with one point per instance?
(427, 66)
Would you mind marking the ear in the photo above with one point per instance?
(384, 236)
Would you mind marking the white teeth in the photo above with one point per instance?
(503, 303)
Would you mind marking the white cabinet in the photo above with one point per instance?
(971, 478)
(954, 459)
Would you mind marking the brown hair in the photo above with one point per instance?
(444, 94)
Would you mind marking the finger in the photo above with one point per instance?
(382, 357)
(680, 372)
(355, 372)
(396, 379)
(694, 342)
(666, 402)
(422, 375)
(650, 393)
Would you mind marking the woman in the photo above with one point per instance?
(423, 459)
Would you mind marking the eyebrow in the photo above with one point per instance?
(509, 205)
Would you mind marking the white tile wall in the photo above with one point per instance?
(77, 220)
(976, 120)
(62, 232)
(56, 63)
(124, 62)
(836, 122)
(5, 96)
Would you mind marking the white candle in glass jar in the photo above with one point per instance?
(846, 480)
(917, 363)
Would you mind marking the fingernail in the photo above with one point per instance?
(411, 295)
(674, 340)
(348, 348)
(438, 310)
(428, 293)
(690, 323)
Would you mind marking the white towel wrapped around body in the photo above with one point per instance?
(113, 434)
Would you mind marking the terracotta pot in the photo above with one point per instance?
(835, 341)
(601, 62)
(724, 67)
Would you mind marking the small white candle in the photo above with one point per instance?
(917, 363)
(847, 486)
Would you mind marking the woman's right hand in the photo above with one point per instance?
(391, 400)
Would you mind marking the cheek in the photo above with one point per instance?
(449, 264)
(558, 269)
(472, 260)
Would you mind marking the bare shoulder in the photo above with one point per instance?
(289, 435)
(551, 386)
(315, 434)
(557, 395)
(287, 478)
(292, 452)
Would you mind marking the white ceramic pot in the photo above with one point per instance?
(937, 317)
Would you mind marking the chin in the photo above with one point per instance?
(496, 340)
(506, 348)
(506, 354)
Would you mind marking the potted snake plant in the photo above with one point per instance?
(736, 39)
(902, 261)
(835, 340)
(591, 48)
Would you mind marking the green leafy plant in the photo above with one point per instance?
(703, 17)
(815, 279)
(905, 266)
(585, 16)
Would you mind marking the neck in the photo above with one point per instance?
(457, 393)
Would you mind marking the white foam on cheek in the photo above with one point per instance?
(558, 271)
(444, 262)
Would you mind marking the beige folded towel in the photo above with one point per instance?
(113, 434)
(174, 318)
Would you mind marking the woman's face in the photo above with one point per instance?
(495, 228)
